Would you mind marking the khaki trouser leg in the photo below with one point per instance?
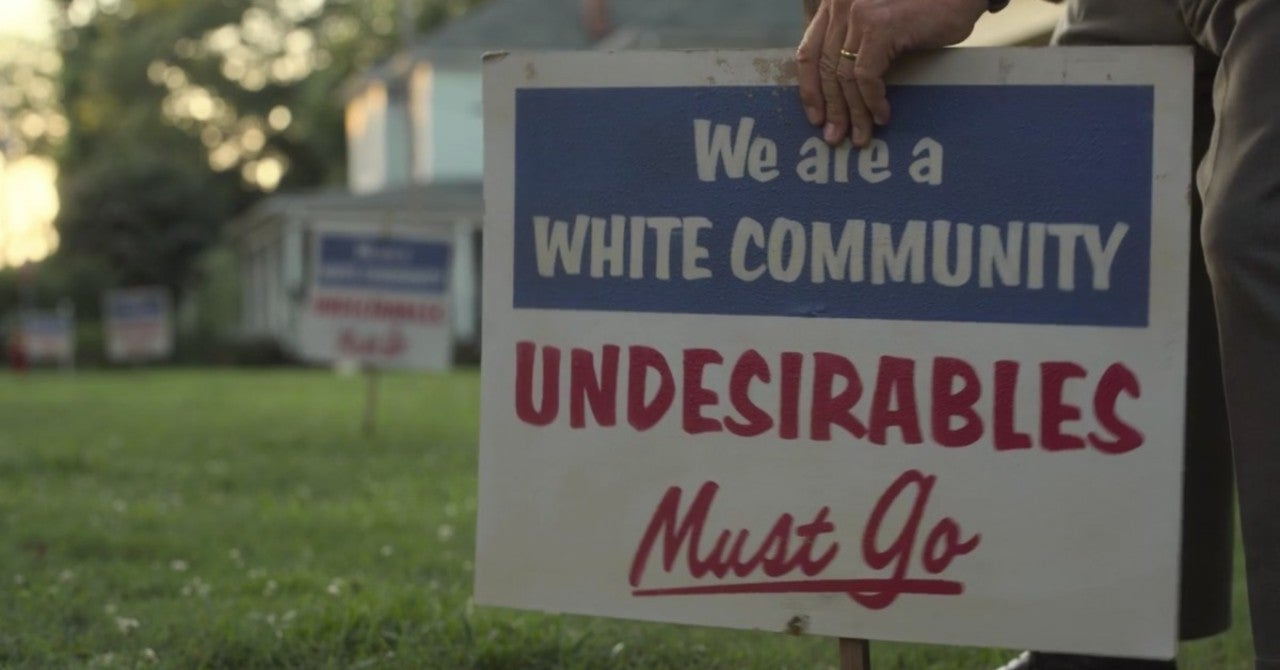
(1207, 489)
(1239, 181)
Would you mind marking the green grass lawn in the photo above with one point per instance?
(238, 519)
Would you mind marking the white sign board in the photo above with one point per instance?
(378, 296)
(928, 391)
(139, 324)
(49, 336)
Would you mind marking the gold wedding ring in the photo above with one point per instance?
(851, 55)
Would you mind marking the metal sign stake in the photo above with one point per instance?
(368, 425)
(855, 654)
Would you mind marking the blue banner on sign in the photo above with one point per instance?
(1003, 204)
(363, 262)
(46, 324)
(142, 305)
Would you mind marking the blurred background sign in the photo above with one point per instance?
(48, 336)
(377, 296)
(139, 324)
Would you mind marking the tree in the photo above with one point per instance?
(181, 114)
(30, 118)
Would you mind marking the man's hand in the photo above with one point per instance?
(839, 88)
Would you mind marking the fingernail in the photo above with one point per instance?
(814, 115)
(859, 137)
(831, 133)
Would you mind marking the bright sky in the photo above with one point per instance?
(28, 200)
(28, 204)
(1020, 21)
(25, 18)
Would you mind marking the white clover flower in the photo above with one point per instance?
(197, 587)
(335, 587)
(270, 588)
(126, 624)
(178, 565)
(386, 550)
(149, 656)
(444, 532)
(66, 576)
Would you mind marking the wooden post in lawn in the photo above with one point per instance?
(855, 654)
(368, 424)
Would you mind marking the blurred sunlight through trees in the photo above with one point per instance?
(30, 118)
(160, 120)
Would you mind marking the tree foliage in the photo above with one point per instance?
(30, 119)
(181, 114)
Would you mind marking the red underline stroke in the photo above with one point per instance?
(854, 588)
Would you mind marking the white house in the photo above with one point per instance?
(272, 240)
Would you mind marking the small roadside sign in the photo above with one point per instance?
(378, 297)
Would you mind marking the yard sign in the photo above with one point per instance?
(378, 296)
(927, 391)
(139, 324)
(49, 336)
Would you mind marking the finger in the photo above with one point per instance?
(859, 115)
(807, 57)
(836, 108)
(874, 57)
